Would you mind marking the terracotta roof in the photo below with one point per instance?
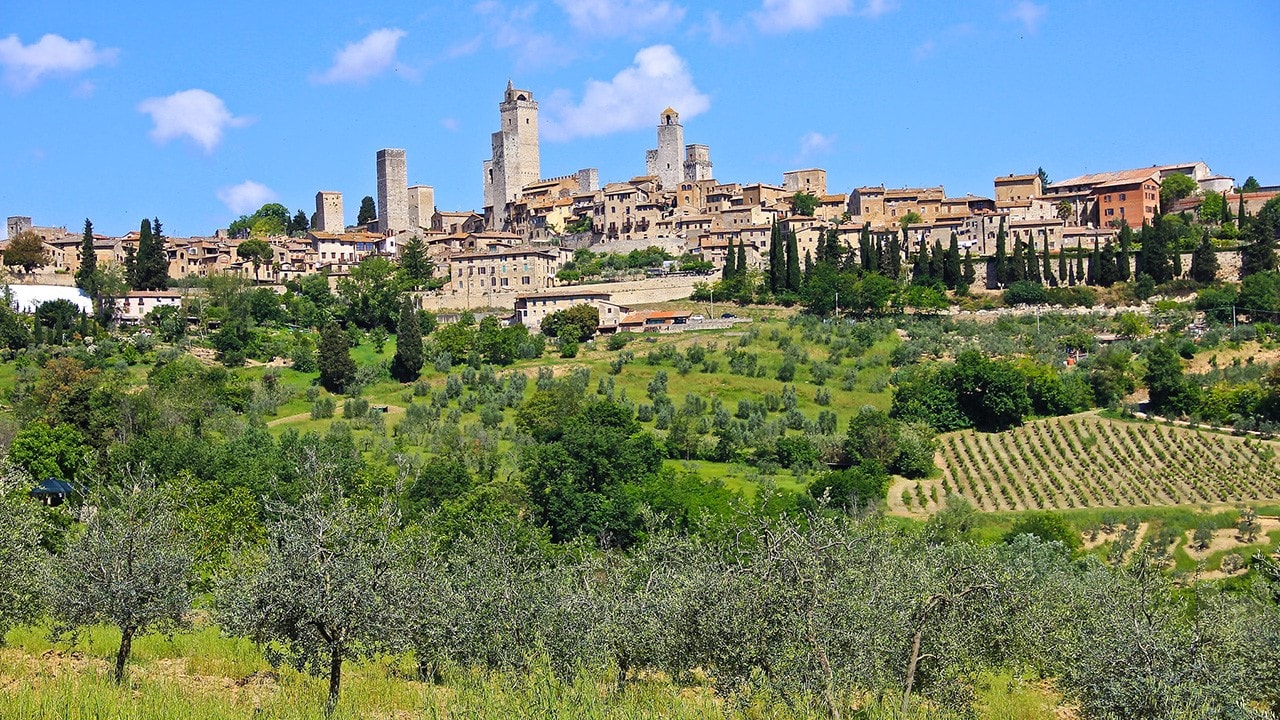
(1114, 176)
(1015, 178)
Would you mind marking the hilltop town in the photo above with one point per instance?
(518, 251)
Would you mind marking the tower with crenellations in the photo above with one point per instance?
(668, 165)
(516, 161)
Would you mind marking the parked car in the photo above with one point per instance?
(728, 315)
(696, 318)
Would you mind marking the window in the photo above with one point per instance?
(1106, 198)
(504, 282)
(524, 280)
(1122, 197)
(1110, 212)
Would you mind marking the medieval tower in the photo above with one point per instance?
(329, 212)
(668, 165)
(697, 163)
(393, 191)
(516, 161)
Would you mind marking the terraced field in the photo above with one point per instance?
(1085, 460)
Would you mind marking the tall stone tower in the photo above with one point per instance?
(667, 162)
(329, 212)
(697, 163)
(393, 191)
(516, 160)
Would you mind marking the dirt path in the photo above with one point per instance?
(391, 410)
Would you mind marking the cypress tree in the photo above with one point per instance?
(406, 366)
(1108, 271)
(920, 268)
(833, 251)
(1176, 261)
(1046, 268)
(1033, 263)
(951, 273)
(730, 261)
(777, 259)
(969, 274)
(937, 263)
(740, 267)
(337, 369)
(1095, 259)
(1002, 260)
(1155, 251)
(1241, 212)
(866, 250)
(1062, 266)
(1204, 261)
(1018, 264)
(1080, 277)
(1226, 210)
(1258, 253)
(131, 265)
(88, 261)
(808, 264)
(793, 263)
(368, 210)
(1126, 248)
(138, 276)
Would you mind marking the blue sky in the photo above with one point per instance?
(197, 112)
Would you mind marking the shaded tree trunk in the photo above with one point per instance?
(122, 655)
(335, 679)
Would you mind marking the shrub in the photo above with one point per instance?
(1025, 292)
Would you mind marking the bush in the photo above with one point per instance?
(1074, 296)
(1048, 526)
(859, 485)
(1026, 292)
(618, 340)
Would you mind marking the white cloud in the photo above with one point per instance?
(197, 114)
(25, 65)
(246, 197)
(780, 16)
(1029, 14)
(813, 143)
(368, 57)
(620, 17)
(450, 123)
(632, 99)
(512, 29)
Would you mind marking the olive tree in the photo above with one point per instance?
(21, 556)
(131, 567)
(325, 587)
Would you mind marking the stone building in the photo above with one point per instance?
(531, 308)
(673, 162)
(812, 181)
(697, 162)
(515, 162)
(329, 212)
(514, 269)
(393, 191)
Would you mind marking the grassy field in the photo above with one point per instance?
(200, 674)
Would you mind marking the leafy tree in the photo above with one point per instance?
(131, 567)
(406, 366)
(1251, 184)
(256, 251)
(26, 250)
(268, 220)
(368, 211)
(1170, 392)
(1204, 261)
(85, 274)
(578, 322)
(371, 294)
(21, 557)
(992, 393)
(1064, 210)
(803, 203)
(415, 265)
(1174, 188)
(911, 218)
(1025, 292)
(44, 452)
(873, 436)
(337, 369)
(328, 586)
(1260, 295)
(1213, 208)
(1258, 249)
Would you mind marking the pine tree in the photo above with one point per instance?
(415, 265)
(299, 223)
(951, 272)
(730, 262)
(406, 365)
(1018, 263)
(793, 263)
(1204, 261)
(1126, 248)
(88, 262)
(337, 369)
(1002, 260)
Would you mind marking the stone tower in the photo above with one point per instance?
(516, 161)
(329, 212)
(697, 163)
(667, 162)
(422, 206)
(393, 191)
